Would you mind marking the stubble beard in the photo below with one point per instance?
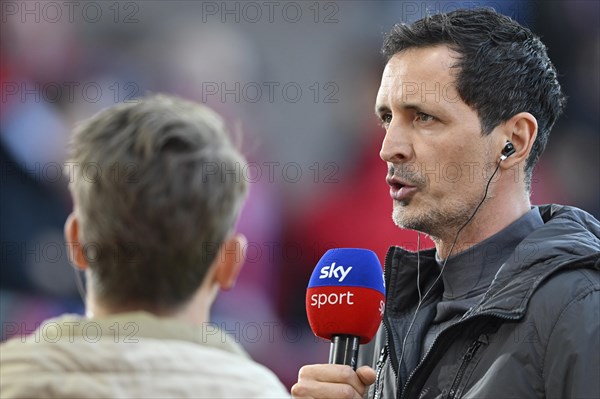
(438, 223)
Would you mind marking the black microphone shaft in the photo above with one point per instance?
(344, 350)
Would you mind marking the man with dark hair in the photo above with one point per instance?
(507, 304)
(153, 227)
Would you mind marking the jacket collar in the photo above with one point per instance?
(400, 272)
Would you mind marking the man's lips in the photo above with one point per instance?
(400, 190)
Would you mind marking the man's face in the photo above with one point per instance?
(438, 160)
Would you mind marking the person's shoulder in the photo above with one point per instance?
(571, 282)
(564, 254)
(213, 366)
(563, 291)
(164, 364)
(571, 224)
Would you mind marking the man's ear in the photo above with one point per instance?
(521, 130)
(74, 247)
(229, 261)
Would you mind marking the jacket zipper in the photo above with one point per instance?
(466, 359)
(425, 358)
(385, 352)
(380, 362)
(408, 380)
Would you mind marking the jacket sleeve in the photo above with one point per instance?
(571, 362)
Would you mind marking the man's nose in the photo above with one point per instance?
(396, 147)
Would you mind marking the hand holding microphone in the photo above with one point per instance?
(345, 300)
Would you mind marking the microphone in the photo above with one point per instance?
(345, 300)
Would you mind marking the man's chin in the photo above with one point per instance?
(412, 219)
(402, 217)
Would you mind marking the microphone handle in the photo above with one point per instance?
(344, 350)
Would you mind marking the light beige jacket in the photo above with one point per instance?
(131, 355)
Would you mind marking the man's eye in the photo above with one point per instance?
(386, 119)
(423, 117)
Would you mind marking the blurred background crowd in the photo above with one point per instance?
(297, 81)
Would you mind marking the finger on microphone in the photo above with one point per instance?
(324, 390)
(366, 375)
(330, 381)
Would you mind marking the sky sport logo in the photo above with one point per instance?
(333, 270)
(339, 273)
(344, 299)
(335, 298)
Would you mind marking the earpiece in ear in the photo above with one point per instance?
(507, 151)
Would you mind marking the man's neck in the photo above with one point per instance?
(493, 216)
(196, 311)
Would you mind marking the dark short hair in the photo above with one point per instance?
(151, 198)
(503, 68)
